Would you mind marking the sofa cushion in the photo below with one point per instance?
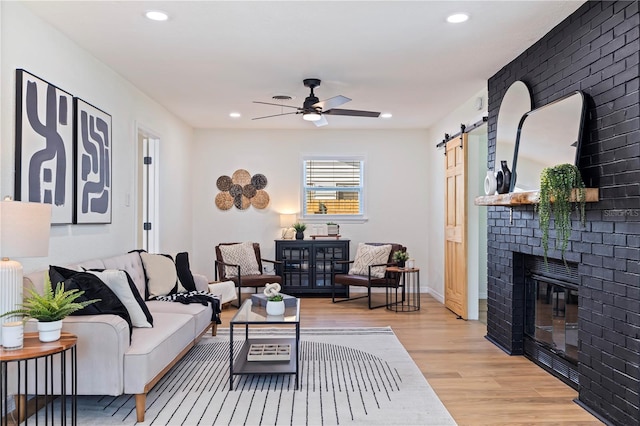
(161, 274)
(242, 254)
(201, 313)
(152, 349)
(132, 264)
(122, 285)
(368, 255)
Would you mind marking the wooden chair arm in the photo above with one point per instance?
(275, 262)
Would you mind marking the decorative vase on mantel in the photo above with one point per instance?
(49, 331)
(275, 308)
(503, 178)
(490, 183)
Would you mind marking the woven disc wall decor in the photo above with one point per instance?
(242, 190)
(241, 177)
(224, 183)
(261, 199)
(224, 201)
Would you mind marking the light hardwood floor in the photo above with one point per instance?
(477, 382)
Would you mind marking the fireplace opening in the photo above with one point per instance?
(551, 317)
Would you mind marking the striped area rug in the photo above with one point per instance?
(350, 376)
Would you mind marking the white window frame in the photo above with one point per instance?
(338, 218)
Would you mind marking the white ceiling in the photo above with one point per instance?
(214, 57)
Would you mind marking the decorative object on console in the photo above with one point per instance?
(93, 177)
(556, 187)
(24, 232)
(50, 308)
(275, 302)
(333, 228)
(490, 183)
(400, 257)
(44, 149)
(286, 223)
(503, 178)
(299, 227)
(242, 190)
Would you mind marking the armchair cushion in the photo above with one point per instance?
(242, 254)
(368, 255)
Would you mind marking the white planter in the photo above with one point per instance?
(49, 331)
(275, 308)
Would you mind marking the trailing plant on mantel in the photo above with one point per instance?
(556, 186)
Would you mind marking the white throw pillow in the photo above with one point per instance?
(117, 281)
(239, 254)
(161, 273)
(371, 255)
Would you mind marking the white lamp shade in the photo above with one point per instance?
(24, 229)
(286, 220)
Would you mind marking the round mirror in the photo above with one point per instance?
(515, 104)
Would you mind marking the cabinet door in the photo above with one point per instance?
(324, 254)
(296, 265)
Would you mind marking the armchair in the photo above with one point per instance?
(242, 264)
(374, 274)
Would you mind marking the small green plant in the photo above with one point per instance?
(400, 256)
(331, 223)
(51, 305)
(556, 187)
(299, 227)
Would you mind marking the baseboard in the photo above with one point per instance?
(439, 297)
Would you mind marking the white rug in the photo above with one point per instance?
(347, 377)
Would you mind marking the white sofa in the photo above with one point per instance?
(107, 363)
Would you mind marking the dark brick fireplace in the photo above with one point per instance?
(595, 50)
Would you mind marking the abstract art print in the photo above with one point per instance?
(44, 145)
(93, 164)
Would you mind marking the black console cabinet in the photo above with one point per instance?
(306, 265)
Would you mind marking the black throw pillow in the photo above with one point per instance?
(184, 271)
(93, 288)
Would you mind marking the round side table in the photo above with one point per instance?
(406, 296)
(35, 369)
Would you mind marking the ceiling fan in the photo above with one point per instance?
(314, 109)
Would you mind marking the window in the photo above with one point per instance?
(332, 187)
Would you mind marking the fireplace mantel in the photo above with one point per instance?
(592, 195)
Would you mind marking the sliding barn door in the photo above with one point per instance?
(455, 258)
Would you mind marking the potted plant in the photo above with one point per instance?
(275, 302)
(333, 228)
(400, 257)
(50, 308)
(299, 227)
(556, 187)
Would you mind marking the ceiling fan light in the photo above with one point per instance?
(311, 116)
(457, 18)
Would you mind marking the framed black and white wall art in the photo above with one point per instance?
(93, 164)
(44, 145)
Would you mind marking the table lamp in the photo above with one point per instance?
(286, 220)
(24, 232)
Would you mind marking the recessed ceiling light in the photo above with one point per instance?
(386, 115)
(156, 15)
(457, 18)
(234, 115)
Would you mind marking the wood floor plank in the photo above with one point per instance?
(477, 382)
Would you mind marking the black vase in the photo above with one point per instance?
(503, 178)
(299, 235)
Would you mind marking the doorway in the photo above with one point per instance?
(147, 223)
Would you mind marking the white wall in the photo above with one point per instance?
(396, 173)
(467, 114)
(29, 43)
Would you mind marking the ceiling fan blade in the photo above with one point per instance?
(322, 122)
(274, 115)
(352, 113)
(331, 102)
(280, 105)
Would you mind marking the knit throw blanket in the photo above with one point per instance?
(201, 297)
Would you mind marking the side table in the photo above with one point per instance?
(409, 290)
(36, 361)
